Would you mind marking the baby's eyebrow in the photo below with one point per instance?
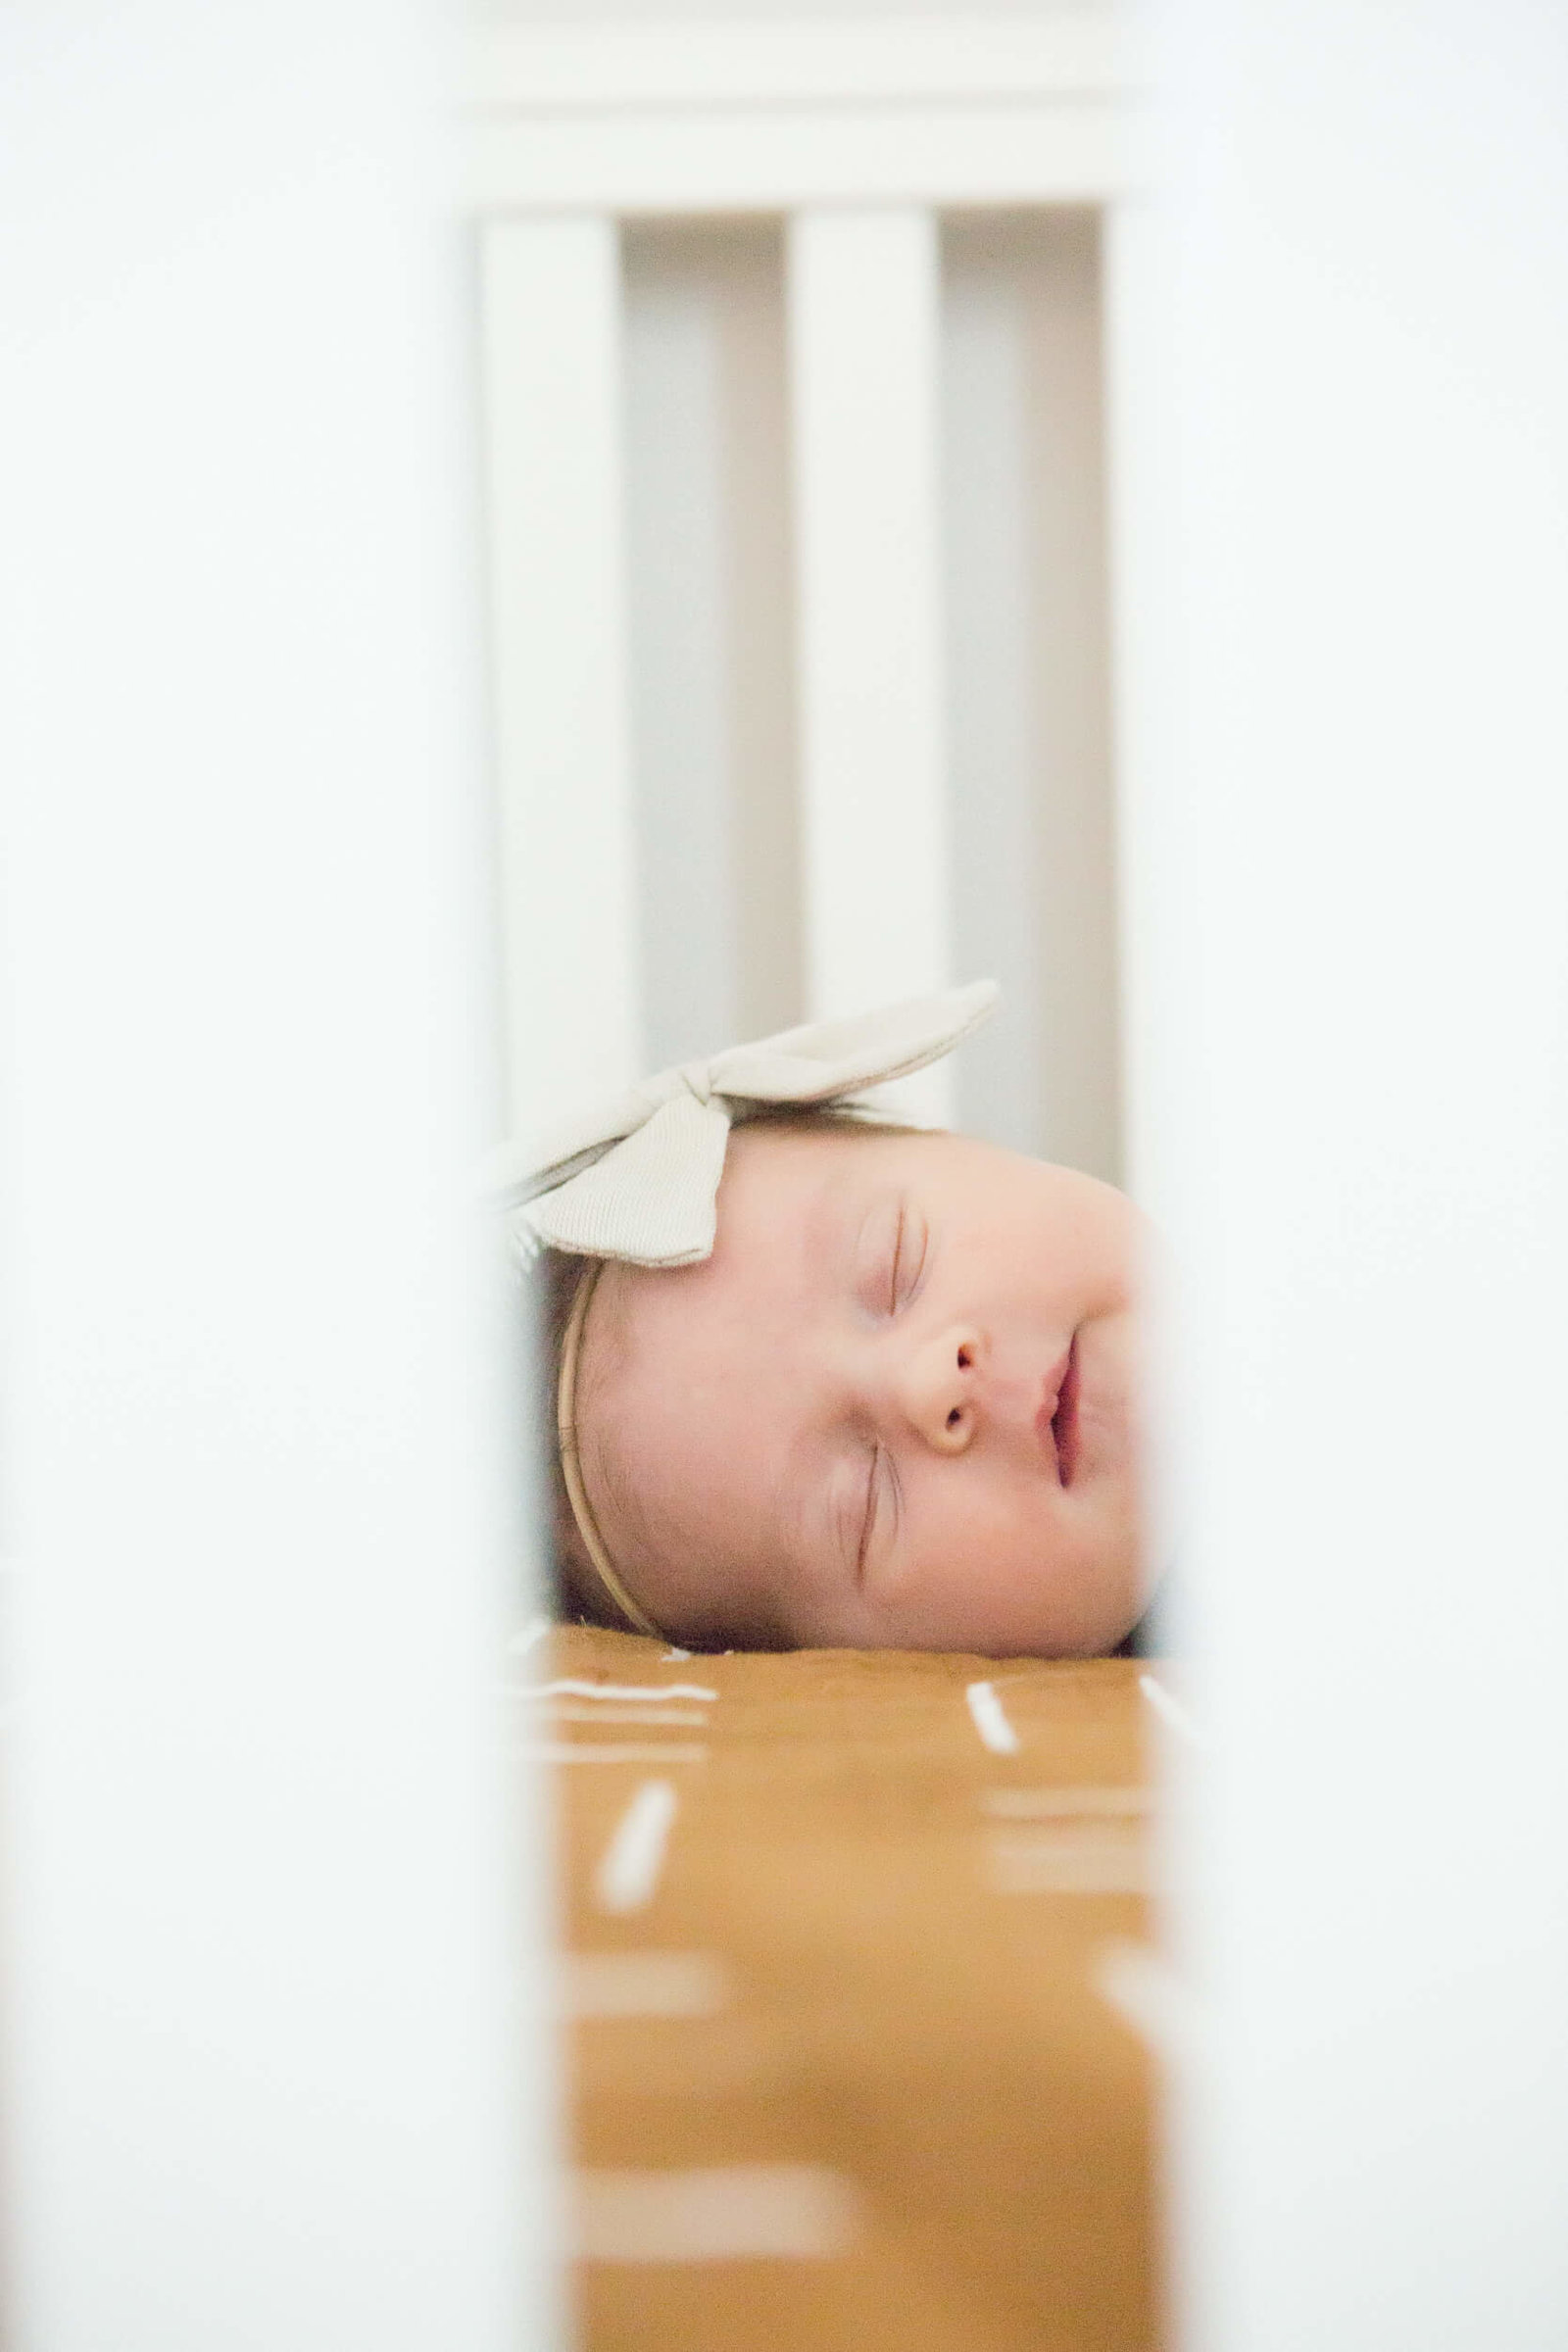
(849, 1198)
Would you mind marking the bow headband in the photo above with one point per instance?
(639, 1179)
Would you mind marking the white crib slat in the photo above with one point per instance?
(864, 343)
(274, 2044)
(552, 344)
(1344, 736)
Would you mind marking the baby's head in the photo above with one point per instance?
(895, 1408)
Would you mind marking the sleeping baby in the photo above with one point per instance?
(819, 1379)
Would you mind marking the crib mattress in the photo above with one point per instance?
(847, 2064)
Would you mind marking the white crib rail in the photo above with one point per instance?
(550, 316)
(856, 137)
(862, 300)
(274, 1962)
(708, 118)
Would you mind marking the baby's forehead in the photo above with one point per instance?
(790, 1201)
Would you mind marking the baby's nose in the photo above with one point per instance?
(938, 1384)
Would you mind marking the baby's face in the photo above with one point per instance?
(893, 1408)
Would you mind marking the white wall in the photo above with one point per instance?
(711, 566)
(1027, 655)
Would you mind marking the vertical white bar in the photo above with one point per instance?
(550, 335)
(864, 369)
(264, 2063)
(762, 672)
(1344, 384)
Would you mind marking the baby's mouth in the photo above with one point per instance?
(1057, 1417)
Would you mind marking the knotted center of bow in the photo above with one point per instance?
(639, 1181)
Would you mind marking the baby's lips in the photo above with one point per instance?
(1057, 1417)
(1065, 1422)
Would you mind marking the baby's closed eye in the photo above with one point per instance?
(892, 1256)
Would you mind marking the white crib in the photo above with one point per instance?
(253, 1837)
(795, 501)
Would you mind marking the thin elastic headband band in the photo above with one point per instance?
(570, 1468)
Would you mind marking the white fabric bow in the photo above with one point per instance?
(639, 1179)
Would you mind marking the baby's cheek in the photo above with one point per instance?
(993, 1533)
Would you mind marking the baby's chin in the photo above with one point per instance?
(1085, 1610)
(1033, 1614)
